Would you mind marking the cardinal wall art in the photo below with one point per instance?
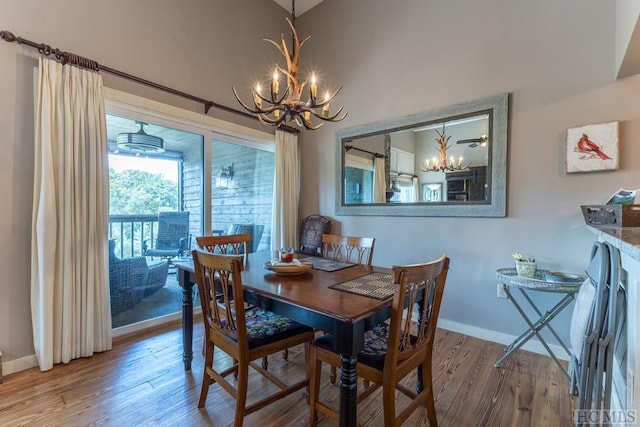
(592, 147)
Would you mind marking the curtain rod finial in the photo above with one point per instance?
(7, 36)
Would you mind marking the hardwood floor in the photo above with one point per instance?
(142, 382)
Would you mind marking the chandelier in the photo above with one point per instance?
(441, 165)
(275, 108)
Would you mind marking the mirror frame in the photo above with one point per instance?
(495, 207)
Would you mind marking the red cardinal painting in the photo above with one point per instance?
(585, 145)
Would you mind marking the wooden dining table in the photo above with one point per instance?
(306, 298)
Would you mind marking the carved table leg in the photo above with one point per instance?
(348, 390)
(187, 324)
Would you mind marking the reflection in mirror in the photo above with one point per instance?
(449, 162)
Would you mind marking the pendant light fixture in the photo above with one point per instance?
(140, 142)
(275, 107)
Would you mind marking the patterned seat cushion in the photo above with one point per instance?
(375, 345)
(264, 327)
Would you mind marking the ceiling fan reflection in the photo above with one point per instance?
(475, 142)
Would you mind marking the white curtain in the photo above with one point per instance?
(70, 306)
(284, 230)
(379, 181)
(416, 189)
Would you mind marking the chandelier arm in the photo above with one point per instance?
(273, 122)
(277, 45)
(323, 103)
(274, 101)
(307, 124)
(246, 107)
(297, 43)
(333, 118)
(257, 110)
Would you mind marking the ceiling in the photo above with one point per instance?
(301, 5)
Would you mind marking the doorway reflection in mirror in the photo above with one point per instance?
(432, 192)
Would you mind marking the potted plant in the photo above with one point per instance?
(525, 267)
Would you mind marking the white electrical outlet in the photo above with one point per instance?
(501, 292)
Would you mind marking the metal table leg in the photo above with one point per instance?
(535, 328)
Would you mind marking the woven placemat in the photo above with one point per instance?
(374, 285)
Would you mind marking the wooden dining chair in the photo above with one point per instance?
(395, 348)
(244, 335)
(358, 250)
(310, 237)
(226, 244)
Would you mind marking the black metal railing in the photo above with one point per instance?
(131, 231)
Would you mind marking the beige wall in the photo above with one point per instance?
(557, 59)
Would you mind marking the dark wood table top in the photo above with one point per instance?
(310, 290)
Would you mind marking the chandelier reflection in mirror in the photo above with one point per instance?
(277, 108)
(441, 165)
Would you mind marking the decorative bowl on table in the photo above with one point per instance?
(288, 268)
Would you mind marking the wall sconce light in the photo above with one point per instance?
(226, 175)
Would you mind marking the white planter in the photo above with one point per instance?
(526, 268)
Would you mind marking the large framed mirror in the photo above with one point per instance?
(451, 161)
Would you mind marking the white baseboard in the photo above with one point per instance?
(532, 345)
(17, 365)
(28, 362)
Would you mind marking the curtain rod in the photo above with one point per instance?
(351, 147)
(71, 58)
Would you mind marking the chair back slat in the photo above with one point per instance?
(358, 250)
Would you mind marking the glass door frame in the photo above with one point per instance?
(139, 108)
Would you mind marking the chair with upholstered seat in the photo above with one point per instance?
(244, 334)
(357, 250)
(393, 349)
(311, 230)
(226, 244)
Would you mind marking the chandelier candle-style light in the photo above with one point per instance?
(276, 107)
(441, 165)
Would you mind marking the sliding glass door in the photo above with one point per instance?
(158, 190)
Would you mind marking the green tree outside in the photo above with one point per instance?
(136, 192)
(139, 192)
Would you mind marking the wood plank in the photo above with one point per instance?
(142, 382)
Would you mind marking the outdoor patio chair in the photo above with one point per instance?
(173, 239)
(131, 279)
(255, 230)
